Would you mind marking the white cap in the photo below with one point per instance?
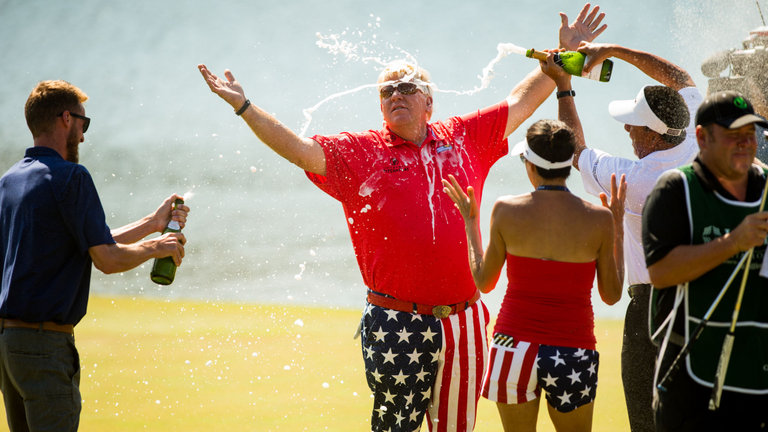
(522, 148)
(637, 112)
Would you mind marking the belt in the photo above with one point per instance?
(638, 289)
(438, 311)
(45, 325)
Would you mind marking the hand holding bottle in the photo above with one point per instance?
(170, 247)
(573, 63)
(596, 54)
(167, 212)
(552, 70)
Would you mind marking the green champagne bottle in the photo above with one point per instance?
(573, 63)
(164, 269)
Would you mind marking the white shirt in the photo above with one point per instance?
(597, 166)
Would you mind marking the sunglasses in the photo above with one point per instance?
(404, 88)
(86, 120)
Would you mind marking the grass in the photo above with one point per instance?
(192, 366)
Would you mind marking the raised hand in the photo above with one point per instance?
(230, 90)
(586, 27)
(465, 202)
(616, 202)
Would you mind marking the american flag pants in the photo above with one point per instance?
(417, 364)
(518, 370)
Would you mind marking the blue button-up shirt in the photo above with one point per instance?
(50, 214)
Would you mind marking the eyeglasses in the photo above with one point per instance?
(86, 120)
(404, 88)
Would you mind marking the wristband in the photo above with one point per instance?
(245, 106)
(565, 93)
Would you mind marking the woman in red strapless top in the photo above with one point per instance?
(554, 243)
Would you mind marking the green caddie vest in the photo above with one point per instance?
(712, 215)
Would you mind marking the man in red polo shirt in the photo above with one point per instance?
(423, 330)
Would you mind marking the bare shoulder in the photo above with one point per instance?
(508, 204)
(598, 212)
(592, 207)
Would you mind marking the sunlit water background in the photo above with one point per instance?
(259, 231)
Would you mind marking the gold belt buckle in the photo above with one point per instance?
(441, 311)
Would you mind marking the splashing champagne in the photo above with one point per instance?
(164, 269)
(573, 63)
(349, 50)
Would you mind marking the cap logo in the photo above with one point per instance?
(740, 102)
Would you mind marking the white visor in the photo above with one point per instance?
(522, 148)
(637, 112)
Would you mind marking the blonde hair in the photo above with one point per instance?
(48, 100)
(399, 69)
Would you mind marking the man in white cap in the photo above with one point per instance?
(656, 121)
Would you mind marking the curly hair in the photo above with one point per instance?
(669, 106)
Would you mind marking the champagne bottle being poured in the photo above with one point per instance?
(573, 63)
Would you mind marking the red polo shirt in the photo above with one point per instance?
(408, 236)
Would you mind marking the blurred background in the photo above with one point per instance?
(259, 231)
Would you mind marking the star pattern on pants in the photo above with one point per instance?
(403, 335)
(568, 375)
(414, 356)
(400, 351)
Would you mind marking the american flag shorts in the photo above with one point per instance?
(518, 370)
(419, 364)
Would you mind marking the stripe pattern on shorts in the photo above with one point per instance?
(519, 370)
(511, 364)
(460, 369)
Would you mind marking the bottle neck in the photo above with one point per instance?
(173, 226)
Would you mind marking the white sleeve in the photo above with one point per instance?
(596, 167)
(693, 99)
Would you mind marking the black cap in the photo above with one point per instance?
(729, 109)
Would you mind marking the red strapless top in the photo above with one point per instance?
(548, 302)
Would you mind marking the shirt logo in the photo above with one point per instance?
(395, 166)
(711, 232)
(443, 148)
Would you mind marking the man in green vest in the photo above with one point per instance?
(698, 223)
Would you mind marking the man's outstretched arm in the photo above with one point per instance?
(658, 68)
(302, 152)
